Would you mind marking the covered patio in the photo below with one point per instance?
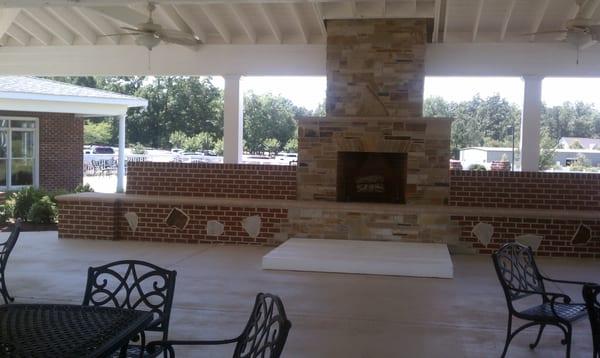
(333, 315)
(373, 169)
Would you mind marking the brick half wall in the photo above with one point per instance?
(525, 190)
(105, 220)
(243, 181)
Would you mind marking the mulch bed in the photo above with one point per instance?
(29, 227)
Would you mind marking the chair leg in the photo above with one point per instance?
(3, 289)
(508, 336)
(539, 336)
(567, 340)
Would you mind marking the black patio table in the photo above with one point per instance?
(50, 330)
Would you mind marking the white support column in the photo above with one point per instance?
(234, 120)
(531, 123)
(121, 159)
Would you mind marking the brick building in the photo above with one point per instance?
(41, 130)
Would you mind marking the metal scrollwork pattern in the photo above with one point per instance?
(266, 331)
(5, 250)
(518, 270)
(591, 295)
(133, 285)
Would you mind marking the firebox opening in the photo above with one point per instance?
(371, 177)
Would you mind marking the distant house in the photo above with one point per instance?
(584, 143)
(484, 155)
(41, 130)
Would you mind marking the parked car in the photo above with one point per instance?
(102, 150)
(290, 158)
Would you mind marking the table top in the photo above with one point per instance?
(50, 330)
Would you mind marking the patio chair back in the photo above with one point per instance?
(267, 329)
(516, 269)
(136, 285)
(5, 250)
(590, 296)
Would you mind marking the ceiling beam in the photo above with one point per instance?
(33, 29)
(316, 7)
(218, 23)
(244, 21)
(18, 35)
(68, 17)
(507, 17)
(445, 33)
(99, 22)
(7, 17)
(173, 19)
(41, 3)
(124, 15)
(191, 21)
(537, 21)
(299, 21)
(590, 8)
(50, 23)
(437, 9)
(271, 22)
(477, 19)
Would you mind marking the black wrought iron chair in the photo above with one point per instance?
(5, 249)
(134, 285)
(264, 336)
(590, 296)
(520, 278)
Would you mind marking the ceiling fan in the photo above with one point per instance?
(579, 29)
(149, 34)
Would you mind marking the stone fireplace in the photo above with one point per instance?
(374, 155)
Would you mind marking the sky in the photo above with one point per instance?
(309, 92)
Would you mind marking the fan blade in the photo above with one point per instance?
(546, 32)
(122, 34)
(131, 29)
(179, 37)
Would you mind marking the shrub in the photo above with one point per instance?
(138, 149)
(20, 202)
(4, 215)
(83, 188)
(477, 167)
(43, 211)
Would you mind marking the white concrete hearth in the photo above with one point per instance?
(361, 257)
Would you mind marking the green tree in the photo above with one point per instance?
(177, 139)
(292, 145)
(548, 146)
(272, 145)
(576, 145)
(201, 141)
(97, 132)
(268, 116)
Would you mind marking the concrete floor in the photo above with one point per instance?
(333, 315)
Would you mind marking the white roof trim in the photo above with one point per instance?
(79, 108)
(129, 102)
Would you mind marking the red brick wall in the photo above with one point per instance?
(526, 190)
(87, 220)
(556, 234)
(61, 149)
(212, 180)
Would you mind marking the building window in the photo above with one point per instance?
(18, 152)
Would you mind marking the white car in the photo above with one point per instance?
(289, 158)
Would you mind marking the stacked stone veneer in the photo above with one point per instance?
(375, 67)
(425, 141)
